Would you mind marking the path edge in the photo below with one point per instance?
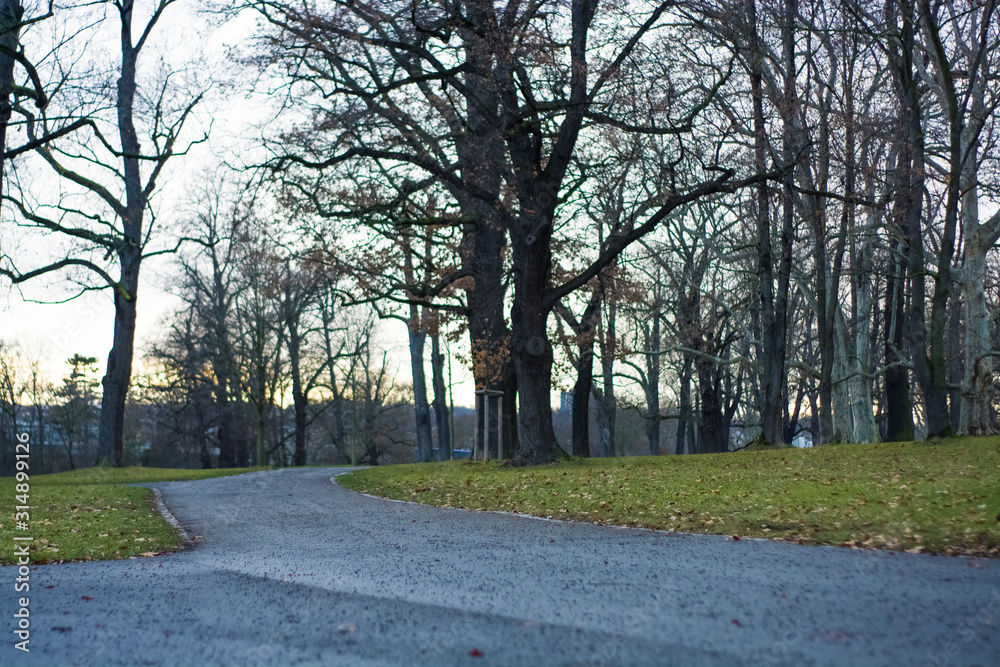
(161, 506)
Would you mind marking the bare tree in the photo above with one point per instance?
(116, 179)
(498, 89)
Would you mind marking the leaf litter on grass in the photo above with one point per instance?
(939, 498)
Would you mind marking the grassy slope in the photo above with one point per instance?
(88, 515)
(942, 497)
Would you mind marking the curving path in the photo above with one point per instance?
(292, 569)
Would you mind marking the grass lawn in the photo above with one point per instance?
(88, 514)
(941, 497)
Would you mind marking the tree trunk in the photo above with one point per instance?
(652, 342)
(118, 374)
(422, 413)
(481, 158)
(581, 397)
(584, 366)
(908, 210)
(339, 427)
(908, 192)
(826, 285)
(533, 364)
(978, 381)
(773, 297)
(712, 427)
(954, 360)
(416, 329)
(898, 409)
(978, 377)
(651, 337)
(934, 382)
(863, 417)
(532, 259)
(608, 413)
(843, 417)
(440, 403)
(299, 400)
(10, 20)
(684, 409)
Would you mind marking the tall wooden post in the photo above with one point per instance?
(482, 434)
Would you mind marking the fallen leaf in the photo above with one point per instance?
(476, 653)
(737, 623)
(86, 597)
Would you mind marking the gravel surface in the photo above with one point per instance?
(289, 568)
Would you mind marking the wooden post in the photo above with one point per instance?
(475, 433)
(500, 427)
(486, 428)
(482, 436)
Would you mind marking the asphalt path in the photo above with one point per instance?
(290, 568)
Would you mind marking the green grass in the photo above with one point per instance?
(939, 497)
(88, 514)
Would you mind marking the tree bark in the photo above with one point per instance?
(773, 285)
(300, 403)
(713, 431)
(934, 372)
(979, 380)
(898, 409)
(843, 416)
(440, 402)
(978, 375)
(417, 334)
(683, 428)
(582, 388)
(530, 347)
(607, 420)
(118, 373)
(865, 428)
(10, 28)
(651, 338)
(480, 152)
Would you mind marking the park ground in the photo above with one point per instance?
(936, 497)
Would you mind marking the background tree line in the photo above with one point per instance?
(730, 221)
